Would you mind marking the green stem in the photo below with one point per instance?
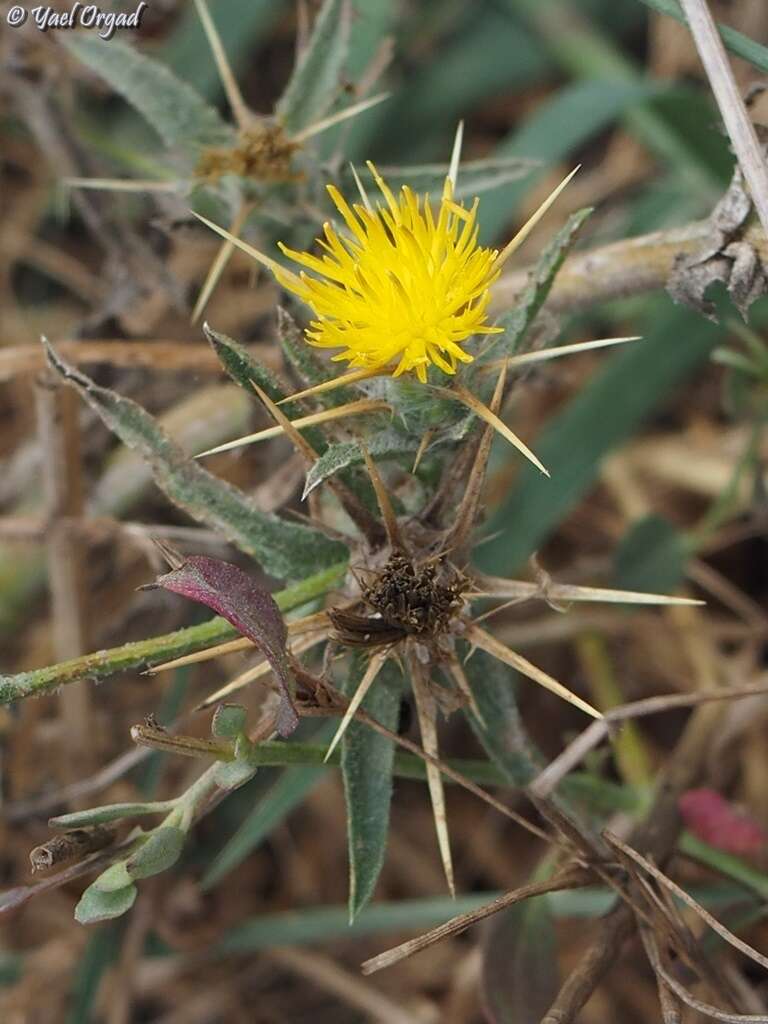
(599, 793)
(144, 653)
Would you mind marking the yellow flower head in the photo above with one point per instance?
(406, 285)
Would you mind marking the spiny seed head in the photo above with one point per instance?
(405, 286)
(420, 600)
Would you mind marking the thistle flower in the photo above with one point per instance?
(402, 292)
(406, 288)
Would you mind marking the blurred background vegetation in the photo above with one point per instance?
(657, 455)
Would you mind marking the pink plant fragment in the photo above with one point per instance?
(711, 818)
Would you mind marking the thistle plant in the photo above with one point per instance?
(399, 361)
(405, 295)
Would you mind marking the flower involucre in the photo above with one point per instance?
(407, 286)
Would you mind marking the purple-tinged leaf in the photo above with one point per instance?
(232, 593)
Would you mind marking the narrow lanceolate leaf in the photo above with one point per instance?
(519, 319)
(178, 114)
(235, 596)
(372, 670)
(520, 975)
(242, 366)
(285, 550)
(474, 177)
(367, 760)
(316, 79)
(245, 370)
(501, 730)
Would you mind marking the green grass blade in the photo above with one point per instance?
(734, 41)
(608, 411)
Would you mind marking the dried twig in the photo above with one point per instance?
(737, 121)
(689, 901)
(572, 879)
(59, 435)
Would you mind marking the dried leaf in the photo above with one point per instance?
(725, 256)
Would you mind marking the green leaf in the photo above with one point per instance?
(520, 975)
(233, 774)
(316, 79)
(367, 760)
(474, 178)
(243, 368)
(285, 550)
(386, 444)
(322, 924)
(605, 413)
(96, 905)
(229, 721)
(517, 321)
(501, 731)
(109, 812)
(734, 41)
(158, 852)
(115, 877)
(177, 113)
(651, 557)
